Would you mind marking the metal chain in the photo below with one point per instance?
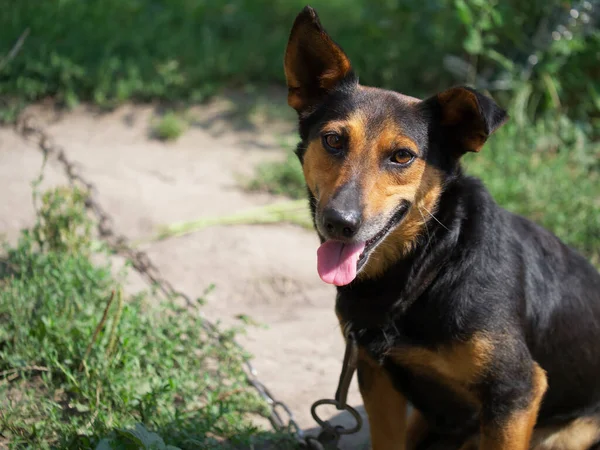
(280, 417)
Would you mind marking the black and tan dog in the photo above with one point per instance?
(483, 321)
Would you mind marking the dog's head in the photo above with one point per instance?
(375, 161)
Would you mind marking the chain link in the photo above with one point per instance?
(280, 417)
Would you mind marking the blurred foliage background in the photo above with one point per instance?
(543, 54)
(540, 59)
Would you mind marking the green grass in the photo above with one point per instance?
(169, 127)
(548, 171)
(279, 177)
(113, 51)
(294, 212)
(84, 366)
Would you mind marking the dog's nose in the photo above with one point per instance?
(341, 224)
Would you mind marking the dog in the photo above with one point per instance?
(482, 321)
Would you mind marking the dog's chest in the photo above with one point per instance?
(442, 381)
(433, 361)
(440, 385)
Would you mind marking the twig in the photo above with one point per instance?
(24, 369)
(97, 330)
(15, 50)
(112, 339)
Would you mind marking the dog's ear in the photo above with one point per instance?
(314, 64)
(467, 117)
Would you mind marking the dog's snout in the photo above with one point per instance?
(341, 224)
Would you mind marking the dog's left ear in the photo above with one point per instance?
(314, 63)
(467, 117)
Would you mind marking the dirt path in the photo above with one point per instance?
(265, 272)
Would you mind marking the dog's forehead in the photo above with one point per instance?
(379, 109)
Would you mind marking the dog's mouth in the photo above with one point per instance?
(339, 262)
(380, 236)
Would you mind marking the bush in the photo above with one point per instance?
(116, 50)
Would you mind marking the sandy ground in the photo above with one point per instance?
(265, 272)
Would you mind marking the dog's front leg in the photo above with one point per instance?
(510, 411)
(385, 406)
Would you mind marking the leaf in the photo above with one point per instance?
(105, 444)
(147, 440)
(594, 95)
(505, 62)
(552, 90)
(464, 13)
(473, 43)
(520, 101)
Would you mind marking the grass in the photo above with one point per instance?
(280, 178)
(548, 171)
(292, 211)
(185, 51)
(169, 127)
(82, 365)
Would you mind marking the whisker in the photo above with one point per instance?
(436, 219)
(426, 227)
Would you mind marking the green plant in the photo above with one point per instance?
(84, 366)
(169, 127)
(292, 211)
(547, 171)
(62, 223)
(535, 56)
(177, 50)
(280, 177)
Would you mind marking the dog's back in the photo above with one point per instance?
(561, 308)
(556, 292)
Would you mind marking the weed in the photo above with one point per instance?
(84, 366)
(169, 127)
(280, 177)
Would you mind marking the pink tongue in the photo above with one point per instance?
(336, 261)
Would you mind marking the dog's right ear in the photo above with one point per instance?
(314, 64)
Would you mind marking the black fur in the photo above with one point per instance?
(477, 269)
(484, 269)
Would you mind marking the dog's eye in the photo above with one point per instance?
(333, 142)
(403, 157)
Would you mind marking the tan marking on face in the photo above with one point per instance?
(403, 239)
(516, 432)
(459, 366)
(421, 184)
(382, 189)
(418, 183)
(325, 173)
